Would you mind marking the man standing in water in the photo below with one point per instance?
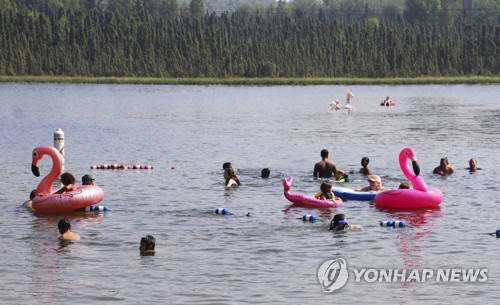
(324, 168)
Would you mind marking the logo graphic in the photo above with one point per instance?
(332, 275)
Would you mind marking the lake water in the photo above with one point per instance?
(271, 256)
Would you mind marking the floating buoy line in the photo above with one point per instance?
(121, 166)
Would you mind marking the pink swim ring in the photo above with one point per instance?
(308, 201)
(48, 202)
(419, 197)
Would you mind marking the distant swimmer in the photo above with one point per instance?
(265, 172)
(364, 166)
(387, 102)
(444, 167)
(65, 230)
(473, 165)
(231, 178)
(324, 168)
(148, 244)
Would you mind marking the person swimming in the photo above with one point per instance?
(473, 165)
(342, 176)
(338, 223)
(64, 227)
(365, 170)
(147, 245)
(444, 167)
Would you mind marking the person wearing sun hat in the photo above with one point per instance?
(375, 185)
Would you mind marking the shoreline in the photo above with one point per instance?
(252, 81)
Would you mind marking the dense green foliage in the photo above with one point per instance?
(153, 38)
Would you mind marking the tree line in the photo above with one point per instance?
(137, 40)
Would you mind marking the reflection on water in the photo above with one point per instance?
(262, 252)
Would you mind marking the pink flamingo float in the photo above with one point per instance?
(419, 197)
(308, 201)
(48, 202)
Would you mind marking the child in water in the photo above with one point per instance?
(231, 178)
(342, 176)
(326, 192)
(364, 166)
(338, 223)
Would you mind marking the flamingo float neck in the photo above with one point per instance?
(349, 96)
(45, 186)
(417, 182)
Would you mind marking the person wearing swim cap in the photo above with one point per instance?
(324, 168)
(375, 185)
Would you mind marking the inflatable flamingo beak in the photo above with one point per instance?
(35, 170)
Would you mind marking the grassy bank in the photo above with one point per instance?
(252, 81)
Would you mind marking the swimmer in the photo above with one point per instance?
(265, 172)
(65, 229)
(231, 177)
(324, 168)
(148, 244)
(364, 166)
(68, 181)
(386, 102)
(404, 185)
(375, 185)
(342, 176)
(473, 165)
(444, 167)
(338, 223)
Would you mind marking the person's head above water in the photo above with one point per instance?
(148, 243)
(226, 165)
(87, 180)
(338, 222)
(265, 172)
(326, 187)
(64, 225)
(472, 164)
(324, 153)
(365, 161)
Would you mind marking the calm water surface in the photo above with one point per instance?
(270, 257)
